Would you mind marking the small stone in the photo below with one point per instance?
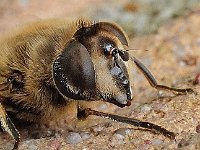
(117, 139)
(85, 135)
(102, 107)
(32, 144)
(182, 64)
(97, 128)
(74, 138)
(160, 93)
(55, 143)
(156, 142)
(123, 131)
(146, 108)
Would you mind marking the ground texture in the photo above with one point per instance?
(173, 57)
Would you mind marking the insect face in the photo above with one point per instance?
(99, 69)
(111, 71)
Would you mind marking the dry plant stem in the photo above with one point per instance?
(152, 81)
(147, 125)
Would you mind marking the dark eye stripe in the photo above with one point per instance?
(118, 72)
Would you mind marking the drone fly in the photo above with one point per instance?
(49, 68)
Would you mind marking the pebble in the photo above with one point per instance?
(119, 136)
(102, 107)
(31, 144)
(55, 144)
(74, 138)
(117, 139)
(97, 129)
(123, 131)
(156, 142)
(85, 135)
(146, 108)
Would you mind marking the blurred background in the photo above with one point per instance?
(136, 16)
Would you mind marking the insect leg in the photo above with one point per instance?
(9, 127)
(147, 125)
(152, 80)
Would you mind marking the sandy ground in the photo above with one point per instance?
(173, 56)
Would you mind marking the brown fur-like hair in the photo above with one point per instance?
(31, 51)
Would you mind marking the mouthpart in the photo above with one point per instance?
(121, 105)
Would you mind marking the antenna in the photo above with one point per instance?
(134, 49)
